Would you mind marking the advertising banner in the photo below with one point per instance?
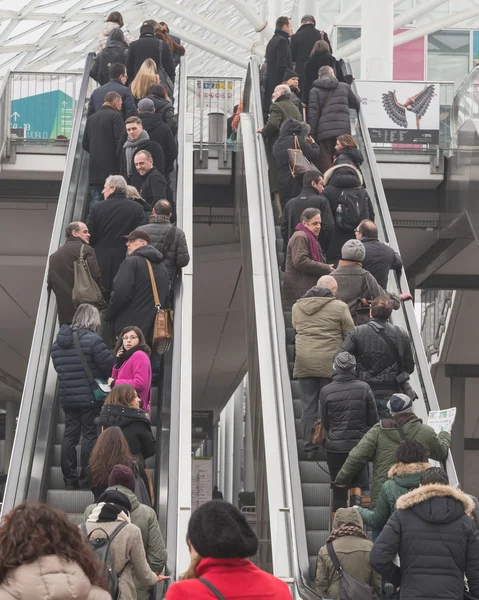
(399, 112)
(43, 116)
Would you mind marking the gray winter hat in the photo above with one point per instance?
(344, 361)
(400, 403)
(146, 105)
(353, 250)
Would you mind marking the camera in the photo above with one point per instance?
(403, 381)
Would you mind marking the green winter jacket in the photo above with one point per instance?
(145, 518)
(282, 109)
(379, 446)
(402, 479)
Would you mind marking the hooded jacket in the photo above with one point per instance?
(380, 444)
(402, 478)
(75, 390)
(281, 109)
(332, 120)
(321, 322)
(107, 29)
(437, 545)
(50, 578)
(132, 301)
(353, 555)
(135, 425)
(313, 64)
(302, 43)
(278, 59)
(348, 410)
(165, 109)
(159, 132)
(349, 156)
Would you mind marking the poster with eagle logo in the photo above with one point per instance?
(398, 112)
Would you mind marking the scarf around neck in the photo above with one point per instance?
(159, 219)
(314, 247)
(126, 355)
(346, 530)
(130, 147)
(105, 512)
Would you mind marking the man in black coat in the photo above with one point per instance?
(132, 301)
(435, 535)
(380, 258)
(149, 46)
(302, 43)
(153, 186)
(310, 197)
(278, 58)
(138, 139)
(158, 131)
(108, 222)
(61, 277)
(117, 84)
(103, 132)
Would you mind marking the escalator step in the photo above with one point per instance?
(310, 472)
(297, 426)
(295, 389)
(290, 350)
(301, 455)
(315, 540)
(316, 494)
(290, 335)
(70, 502)
(313, 562)
(297, 408)
(56, 461)
(280, 258)
(279, 246)
(287, 318)
(317, 518)
(75, 518)
(278, 231)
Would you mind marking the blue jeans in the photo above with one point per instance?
(96, 193)
(392, 595)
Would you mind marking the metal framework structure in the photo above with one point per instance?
(220, 34)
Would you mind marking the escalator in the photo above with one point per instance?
(35, 473)
(295, 498)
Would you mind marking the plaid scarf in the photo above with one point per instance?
(159, 219)
(346, 530)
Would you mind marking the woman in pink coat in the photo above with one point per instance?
(133, 364)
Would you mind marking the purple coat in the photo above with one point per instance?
(136, 371)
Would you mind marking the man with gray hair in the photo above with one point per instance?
(282, 108)
(61, 268)
(108, 222)
(322, 323)
(302, 43)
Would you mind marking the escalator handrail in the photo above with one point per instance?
(460, 93)
(23, 447)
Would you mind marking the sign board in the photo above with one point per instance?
(398, 112)
(43, 116)
(215, 94)
(201, 480)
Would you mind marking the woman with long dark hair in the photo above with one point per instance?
(320, 57)
(43, 555)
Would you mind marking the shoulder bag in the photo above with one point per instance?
(169, 239)
(164, 77)
(212, 588)
(85, 289)
(318, 433)
(298, 163)
(100, 387)
(349, 588)
(163, 328)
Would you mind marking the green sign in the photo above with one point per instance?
(43, 117)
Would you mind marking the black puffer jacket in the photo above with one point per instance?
(135, 427)
(437, 545)
(165, 109)
(289, 187)
(348, 410)
(376, 363)
(314, 63)
(176, 255)
(332, 120)
(75, 389)
(349, 156)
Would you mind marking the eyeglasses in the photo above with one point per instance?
(131, 337)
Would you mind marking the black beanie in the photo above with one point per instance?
(289, 74)
(217, 529)
(116, 497)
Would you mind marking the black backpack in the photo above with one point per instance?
(108, 56)
(101, 547)
(352, 208)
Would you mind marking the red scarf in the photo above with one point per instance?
(314, 247)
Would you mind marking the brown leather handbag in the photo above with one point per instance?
(163, 328)
(318, 433)
(298, 163)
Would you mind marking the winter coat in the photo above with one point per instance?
(145, 518)
(174, 44)
(289, 187)
(107, 29)
(321, 322)
(376, 362)
(132, 301)
(146, 208)
(437, 545)
(61, 276)
(278, 59)
(348, 410)
(353, 555)
(157, 154)
(148, 46)
(296, 99)
(380, 259)
(133, 422)
(166, 110)
(75, 390)
(128, 556)
(311, 68)
(236, 578)
(176, 255)
(302, 43)
(136, 371)
(153, 187)
(97, 98)
(355, 283)
(108, 221)
(292, 211)
(301, 271)
(103, 132)
(115, 52)
(283, 108)
(50, 578)
(402, 478)
(380, 444)
(349, 156)
(332, 120)
(159, 132)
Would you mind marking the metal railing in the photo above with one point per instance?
(436, 306)
(465, 105)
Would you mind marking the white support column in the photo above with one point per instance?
(249, 480)
(10, 423)
(222, 452)
(377, 39)
(229, 449)
(238, 441)
(265, 28)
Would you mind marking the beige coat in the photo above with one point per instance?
(50, 578)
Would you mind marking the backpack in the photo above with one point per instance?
(352, 208)
(101, 548)
(108, 56)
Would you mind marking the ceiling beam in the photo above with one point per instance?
(11, 381)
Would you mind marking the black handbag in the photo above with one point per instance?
(212, 588)
(349, 588)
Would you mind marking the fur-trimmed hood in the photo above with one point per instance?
(293, 127)
(401, 469)
(347, 171)
(436, 503)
